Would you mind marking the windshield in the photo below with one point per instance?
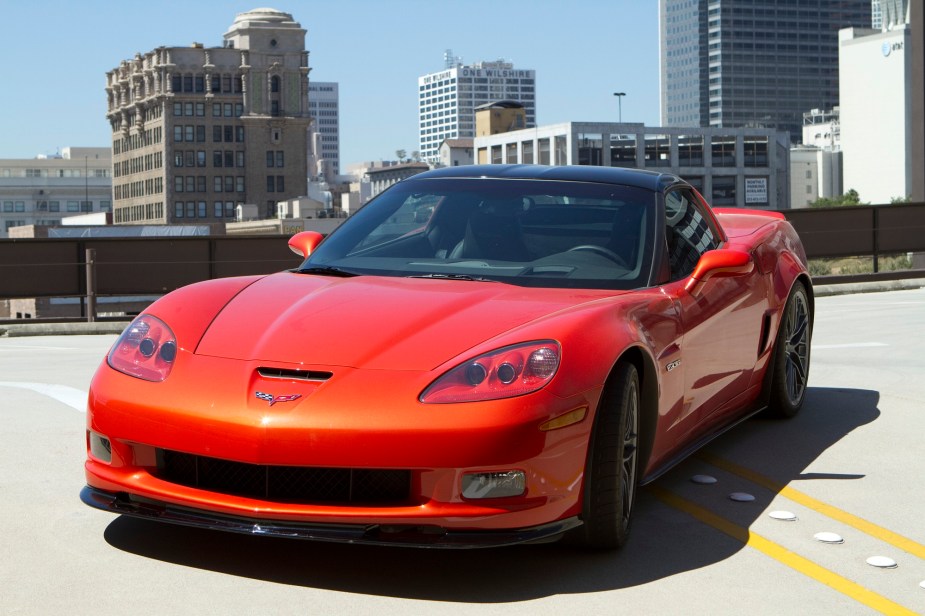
(523, 232)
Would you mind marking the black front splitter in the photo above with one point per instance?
(377, 534)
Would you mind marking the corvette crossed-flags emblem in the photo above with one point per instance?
(274, 399)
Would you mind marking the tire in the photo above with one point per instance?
(612, 468)
(791, 355)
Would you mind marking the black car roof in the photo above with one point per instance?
(639, 178)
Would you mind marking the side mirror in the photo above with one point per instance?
(305, 242)
(716, 263)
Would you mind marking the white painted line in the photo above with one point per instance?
(854, 345)
(71, 396)
(31, 347)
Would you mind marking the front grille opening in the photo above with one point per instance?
(298, 375)
(290, 484)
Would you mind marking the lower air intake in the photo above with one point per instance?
(291, 484)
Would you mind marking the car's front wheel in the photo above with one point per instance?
(612, 469)
(791, 355)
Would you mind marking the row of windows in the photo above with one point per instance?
(141, 188)
(197, 158)
(136, 213)
(198, 183)
(55, 206)
(137, 140)
(219, 110)
(192, 133)
(53, 173)
(224, 84)
(199, 209)
(148, 162)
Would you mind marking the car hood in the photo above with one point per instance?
(374, 322)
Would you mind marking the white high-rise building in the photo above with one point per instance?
(324, 140)
(447, 99)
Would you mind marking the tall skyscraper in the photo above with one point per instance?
(324, 106)
(740, 63)
(447, 99)
(197, 131)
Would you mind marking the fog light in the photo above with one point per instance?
(100, 447)
(494, 485)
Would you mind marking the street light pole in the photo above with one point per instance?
(620, 96)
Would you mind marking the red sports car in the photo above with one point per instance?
(480, 356)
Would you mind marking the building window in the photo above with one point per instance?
(590, 149)
(218, 209)
(657, 151)
(756, 151)
(216, 134)
(526, 152)
(216, 158)
(216, 110)
(274, 84)
(201, 158)
(271, 183)
(178, 209)
(105, 206)
(690, 151)
(55, 206)
(229, 158)
(274, 108)
(239, 134)
(73, 206)
(239, 184)
(239, 159)
(217, 184)
(271, 159)
(191, 209)
(724, 190)
(724, 151)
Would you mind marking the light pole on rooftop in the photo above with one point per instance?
(620, 96)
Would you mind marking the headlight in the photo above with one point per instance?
(504, 373)
(146, 349)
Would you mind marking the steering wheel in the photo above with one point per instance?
(605, 252)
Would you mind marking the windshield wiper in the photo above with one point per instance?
(454, 277)
(327, 271)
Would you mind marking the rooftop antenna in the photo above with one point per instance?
(449, 60)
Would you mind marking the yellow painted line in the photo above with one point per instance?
(878, 532)
(783, 555)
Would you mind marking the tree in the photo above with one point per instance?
(906, 199)
(400, 155)
(849, 198)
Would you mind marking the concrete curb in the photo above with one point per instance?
(850, 288)
(17, 330)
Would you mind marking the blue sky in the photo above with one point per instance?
(54, 55)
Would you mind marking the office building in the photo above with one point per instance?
(198, 131)
(876, 111)
(751, 63)
(324, 139)
(745, 167)
(47, 189)
(447, 100)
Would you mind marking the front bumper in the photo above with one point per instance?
(395, 535)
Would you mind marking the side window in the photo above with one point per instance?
(688, 232)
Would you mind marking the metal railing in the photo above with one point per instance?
(89, 270)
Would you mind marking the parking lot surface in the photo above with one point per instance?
(849, 467)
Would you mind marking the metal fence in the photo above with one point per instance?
(58, 268)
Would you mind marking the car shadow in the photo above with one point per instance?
(664, 541)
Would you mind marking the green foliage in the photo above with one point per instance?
(849, 198)
(905, 199)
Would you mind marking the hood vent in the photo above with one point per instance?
(294, 375)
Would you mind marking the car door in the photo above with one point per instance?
(721, 318)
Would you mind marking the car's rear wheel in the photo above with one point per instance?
(612, 469)
(791, 355)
